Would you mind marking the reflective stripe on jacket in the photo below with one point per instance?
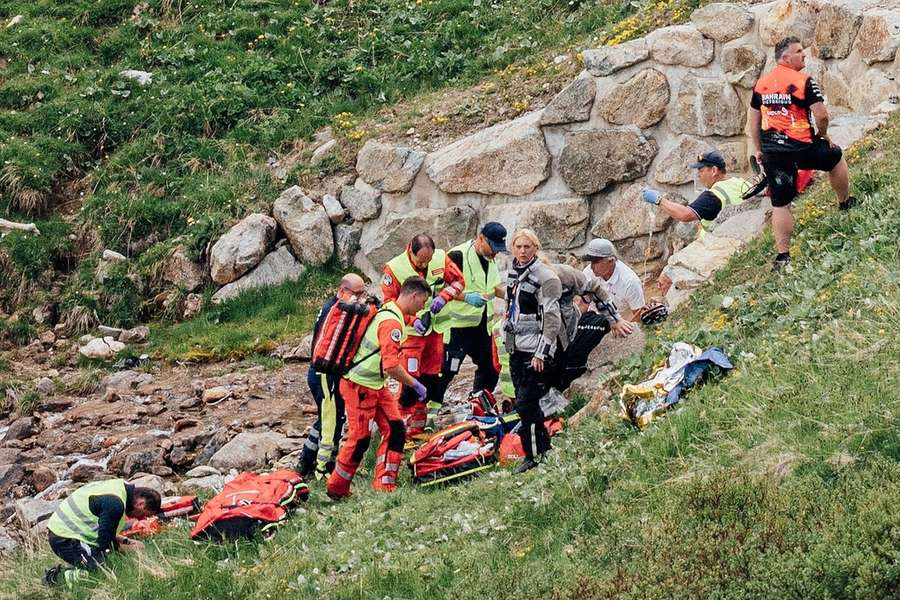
(403, 270)
(729, 192)
(73, 518)
(368, 371)
(458, 313)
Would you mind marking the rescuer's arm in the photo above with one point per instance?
(390, 287)
(390, 333)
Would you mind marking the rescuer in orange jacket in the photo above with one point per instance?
(422, 351)
(784, 105)
(367, 398)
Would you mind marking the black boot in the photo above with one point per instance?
(526, 465)
(51, 577)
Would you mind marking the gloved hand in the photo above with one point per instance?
(437, 304)
(420, 390)
(650, 196)
(321, 470)
(475, 299)
(420, 327)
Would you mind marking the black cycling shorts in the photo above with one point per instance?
(781, 168)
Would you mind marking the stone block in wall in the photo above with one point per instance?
(742, 63)
(604, 61)
(591, 160)
(346, 242)
(508, 158)
(674, 164)
(306, 226)
(572, 104)
(735, 155)
(836, 28)
(680, 45)
(707, 106)
(722, 21)
(705, 255)
(879, 36)
(641, 100)
(621, 214)
(835, 88)
(361, 200)
(385, 238)
(635, 251)
(561, 224)
(788, 17)
(387, 167)
(872, 88)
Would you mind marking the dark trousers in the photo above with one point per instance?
(530, 388)
(476, 343)
(592, 328)
(75, 552)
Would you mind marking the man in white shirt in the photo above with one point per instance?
(624, 285)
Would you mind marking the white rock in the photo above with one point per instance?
(142, 77)
(722, 21)
(248, 451)
(31, 511)
(333, 209)
(601, 62)
(105, 347)
(387, 167)
(562, 223)
(362, 201)
(680, 45)
(323, 151)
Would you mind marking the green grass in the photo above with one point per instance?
(781, 480)
(253, 323)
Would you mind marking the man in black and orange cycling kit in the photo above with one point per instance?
(785, 103)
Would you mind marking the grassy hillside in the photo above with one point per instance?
(781, 480)
(103, 162)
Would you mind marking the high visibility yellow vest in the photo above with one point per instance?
(368, 371)
(402, 269)
(73, 518)
(506, 382)
(729, 192)
(458, 313)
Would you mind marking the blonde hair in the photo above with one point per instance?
(527, 233)
(533, 238)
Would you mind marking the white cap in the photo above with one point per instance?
(600, 248)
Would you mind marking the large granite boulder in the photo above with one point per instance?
(641, 101)
(346, 242)
(241, 248)
(591, 160)
(879, 36)
(276, 268)
(674, 164)
(561, 224)
(706, 255)
(361, 200)
(722, 21)
(680, 45)
(873, 88)
(387, 167)
(248, 451)
(601, 62)
(572, 104)
(102, 348)
(836, 27)
(384, 239)
(31, 511)
(707, 106)
(306, 226)
(788, 17)
(508, 158)
(743, 63)
(621, 214)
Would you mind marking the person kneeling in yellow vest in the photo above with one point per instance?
(86, 525)
(721, 191)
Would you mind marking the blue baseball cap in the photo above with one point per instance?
(495, 234)
(713, 158)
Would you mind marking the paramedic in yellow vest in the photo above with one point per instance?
(86, 525)
(721, 191)
(367, 398)
(466, 322)
(422, 351)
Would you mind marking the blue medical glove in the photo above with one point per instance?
(475, 299)
(650, 196)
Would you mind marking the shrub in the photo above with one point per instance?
(33, 254)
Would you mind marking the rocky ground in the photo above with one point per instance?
(177, 428)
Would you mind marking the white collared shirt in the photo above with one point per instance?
(624, 285)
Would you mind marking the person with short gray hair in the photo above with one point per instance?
(622, 282)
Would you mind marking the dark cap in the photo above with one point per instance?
(709, 159)
(495, 234)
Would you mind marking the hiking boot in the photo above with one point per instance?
(526, 465)
(51, 577)
(848, 204)
(782, 265)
